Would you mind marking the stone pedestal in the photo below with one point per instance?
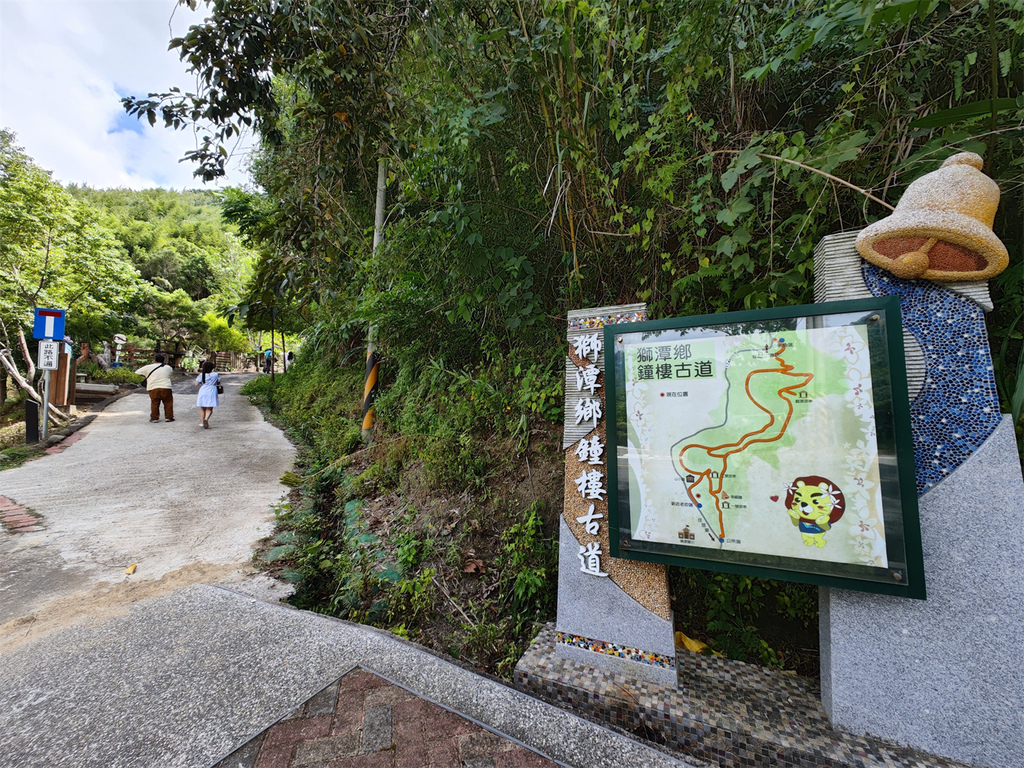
(944, 675)
(601, 625)
(617, 618)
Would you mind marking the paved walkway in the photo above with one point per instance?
(161, 670)
(168, 497)
(187, 678)
(364, 720)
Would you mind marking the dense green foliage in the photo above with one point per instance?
(54, 250)
(155, 265)
(552, 155)
(192, 263)
(403, 566)
(555, 154)
(176, 240)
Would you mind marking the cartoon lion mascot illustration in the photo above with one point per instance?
(814, 504)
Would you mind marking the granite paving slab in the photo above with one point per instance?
(187, 678)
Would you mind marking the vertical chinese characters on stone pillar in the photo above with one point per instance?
(590, 451)
(590, 484)
(586, 345)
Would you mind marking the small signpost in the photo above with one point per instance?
(49, 328)
(48, 355)
(120, 340)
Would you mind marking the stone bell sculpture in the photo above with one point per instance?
(942, 227)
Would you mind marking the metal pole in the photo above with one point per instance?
(46, 403)
(370, 385)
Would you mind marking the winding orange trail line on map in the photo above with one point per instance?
(740, 445)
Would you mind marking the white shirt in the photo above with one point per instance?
(161, 377)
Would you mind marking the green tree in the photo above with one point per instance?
(54, 250)
(172, 319)
(221, 337)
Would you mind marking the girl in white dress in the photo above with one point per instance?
(207, 400)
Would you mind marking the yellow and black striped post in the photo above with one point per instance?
(370, 387)
(369, 391)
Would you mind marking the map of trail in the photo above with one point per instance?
(705, 457)
(760, 442)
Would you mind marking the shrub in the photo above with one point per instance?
(116, 376)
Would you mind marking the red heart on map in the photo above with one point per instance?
(774, 498)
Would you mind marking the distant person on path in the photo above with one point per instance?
(268, 361)
(207, 399)
(158, 384)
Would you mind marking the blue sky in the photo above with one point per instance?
(64, 65)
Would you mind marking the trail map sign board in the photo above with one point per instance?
(774, 443)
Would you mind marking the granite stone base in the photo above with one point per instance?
(721, 712)
(947, 674)
(598, 608)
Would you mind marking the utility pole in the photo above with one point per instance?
(370, 386)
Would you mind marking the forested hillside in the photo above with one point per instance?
(159, 266)
(191, 260)
(541, 157)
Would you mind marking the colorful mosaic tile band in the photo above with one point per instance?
(723, 712)
(601, 321)
(613, 649)
(958, 407)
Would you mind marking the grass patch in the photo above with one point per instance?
(17, 455)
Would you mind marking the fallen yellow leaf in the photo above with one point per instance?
(694, 646)
(130, 569)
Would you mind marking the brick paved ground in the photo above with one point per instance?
(16, 518)
(65, 443)
(363, 721)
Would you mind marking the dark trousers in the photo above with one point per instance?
(157, 396)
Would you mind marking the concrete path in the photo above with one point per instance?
(184, 679)
(162, 670)
(182, 503)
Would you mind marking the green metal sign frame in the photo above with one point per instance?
(880, 319)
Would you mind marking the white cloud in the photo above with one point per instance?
(64, 65)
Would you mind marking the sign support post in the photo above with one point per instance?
(46, 404)
(47, 326)
(49, 359)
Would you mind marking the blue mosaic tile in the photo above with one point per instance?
(958, 406)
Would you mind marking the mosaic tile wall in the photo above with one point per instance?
(627, 313)
(957, 409)
(724, 713)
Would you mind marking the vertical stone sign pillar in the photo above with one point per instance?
(612, 613)
(944, 675)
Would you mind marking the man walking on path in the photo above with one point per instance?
(158, 384)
